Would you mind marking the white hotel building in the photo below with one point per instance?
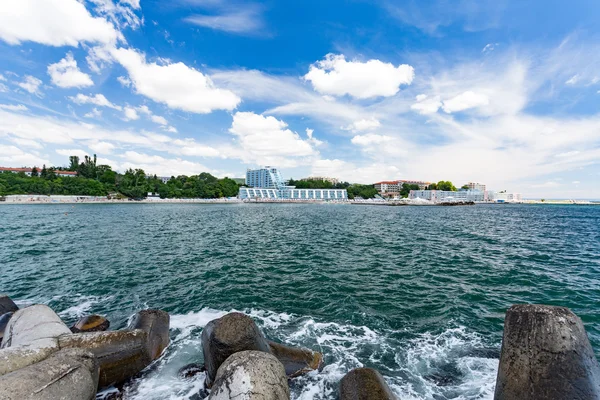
(443, 196)
(267, 184)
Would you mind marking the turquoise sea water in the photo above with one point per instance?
(416, 292)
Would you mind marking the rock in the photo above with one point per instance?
(34, 326)
(365, 384)
(67, 374)
(227, 335)
(3, 322)
(296, 361)
(91, 323)
(14, 358)
(7, 305)
(156, 324)
(546, 355)
(250, 375)
(121, 354)
(191, 370)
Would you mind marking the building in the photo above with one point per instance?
(504, 197)
(267, 183)
(27, 171)
(444, 196)
(393, 187)
(333, 181)
(476, 186)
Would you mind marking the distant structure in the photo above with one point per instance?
(27, 171)
(333, 181)
(446, 196)
(476, 186)
(390, 188)
(504, 197)
(268, 184)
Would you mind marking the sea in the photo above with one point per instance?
(418, 293)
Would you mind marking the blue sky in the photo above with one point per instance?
(500, 92)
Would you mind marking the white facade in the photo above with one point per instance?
(266, 177)
(503, 197)
(476, 186)
(291, 193)
(440, 196)
(388, 187)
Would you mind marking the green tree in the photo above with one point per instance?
(406, 188)
(73, 163)
(34, 172)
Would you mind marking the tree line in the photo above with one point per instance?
(354, 190)
(100, 180)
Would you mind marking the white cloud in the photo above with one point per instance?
(161, 166)
(548, 184)
(133, 3)
(26, 143)
(489, 48)
(336, 76)
(573, 80)
(15, 157)
(95, 113)
(2, 78)
(315, 142)
(53, 23)
(370, 139)
(66, 74)
(363, 125)
(264, 140)
(31, 84)
(124, 81)
(102, 147)
(465, 101)
(238, 20)
(576, 182)
(426, 105)
(176, 85)
(98, 57)
(159, 120)
(171, 129)
(12, 107)
(347, 171)
(130, 114)
(73, 152)
(97, 99)
(122, 14)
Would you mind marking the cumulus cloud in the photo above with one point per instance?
(95, 113)
(426, 105)
(159, 120)
(267, 139)
(369, 139)
(14, 156)
(31, 84)
(465, 101)
(336, 76)
(363, 125)
(176, 85)
(124, 81)
(350, 172)
(66, 74)
(101, 147)
(130, 114)
(53, 23)
(13, 107)
(161, 166)
(98, 99)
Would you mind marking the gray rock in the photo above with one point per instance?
(3, 322)
(156, 324)
(7, 305)
(66, 375)
(251, 375)
(365, 384)
(34, 326)
(296, 361)
(121, 354)
(91, 323)
(227, 335)
(14, 358)
(546, 355)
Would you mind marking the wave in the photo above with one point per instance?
(453, 364)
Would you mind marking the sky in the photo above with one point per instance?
(505, 93)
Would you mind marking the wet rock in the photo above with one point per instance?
(121, 354)
(34, 326)
(296, 361)
(251, 375)
(3, 322)
(365, 384)
(227, 335)
(546, 355)
(191, 370)
(7, 305)
(67, 374)
(91, 323)
(156, 324)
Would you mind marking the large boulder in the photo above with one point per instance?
(227, 335)
(7, 305)
(14, 358)
(156, 324)
(250, 375)
(68, 374)
(365, 384)
(91, 323)
(35, 326)
(546, 355)
(121, 354)
(296, 361)
(3, 322)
